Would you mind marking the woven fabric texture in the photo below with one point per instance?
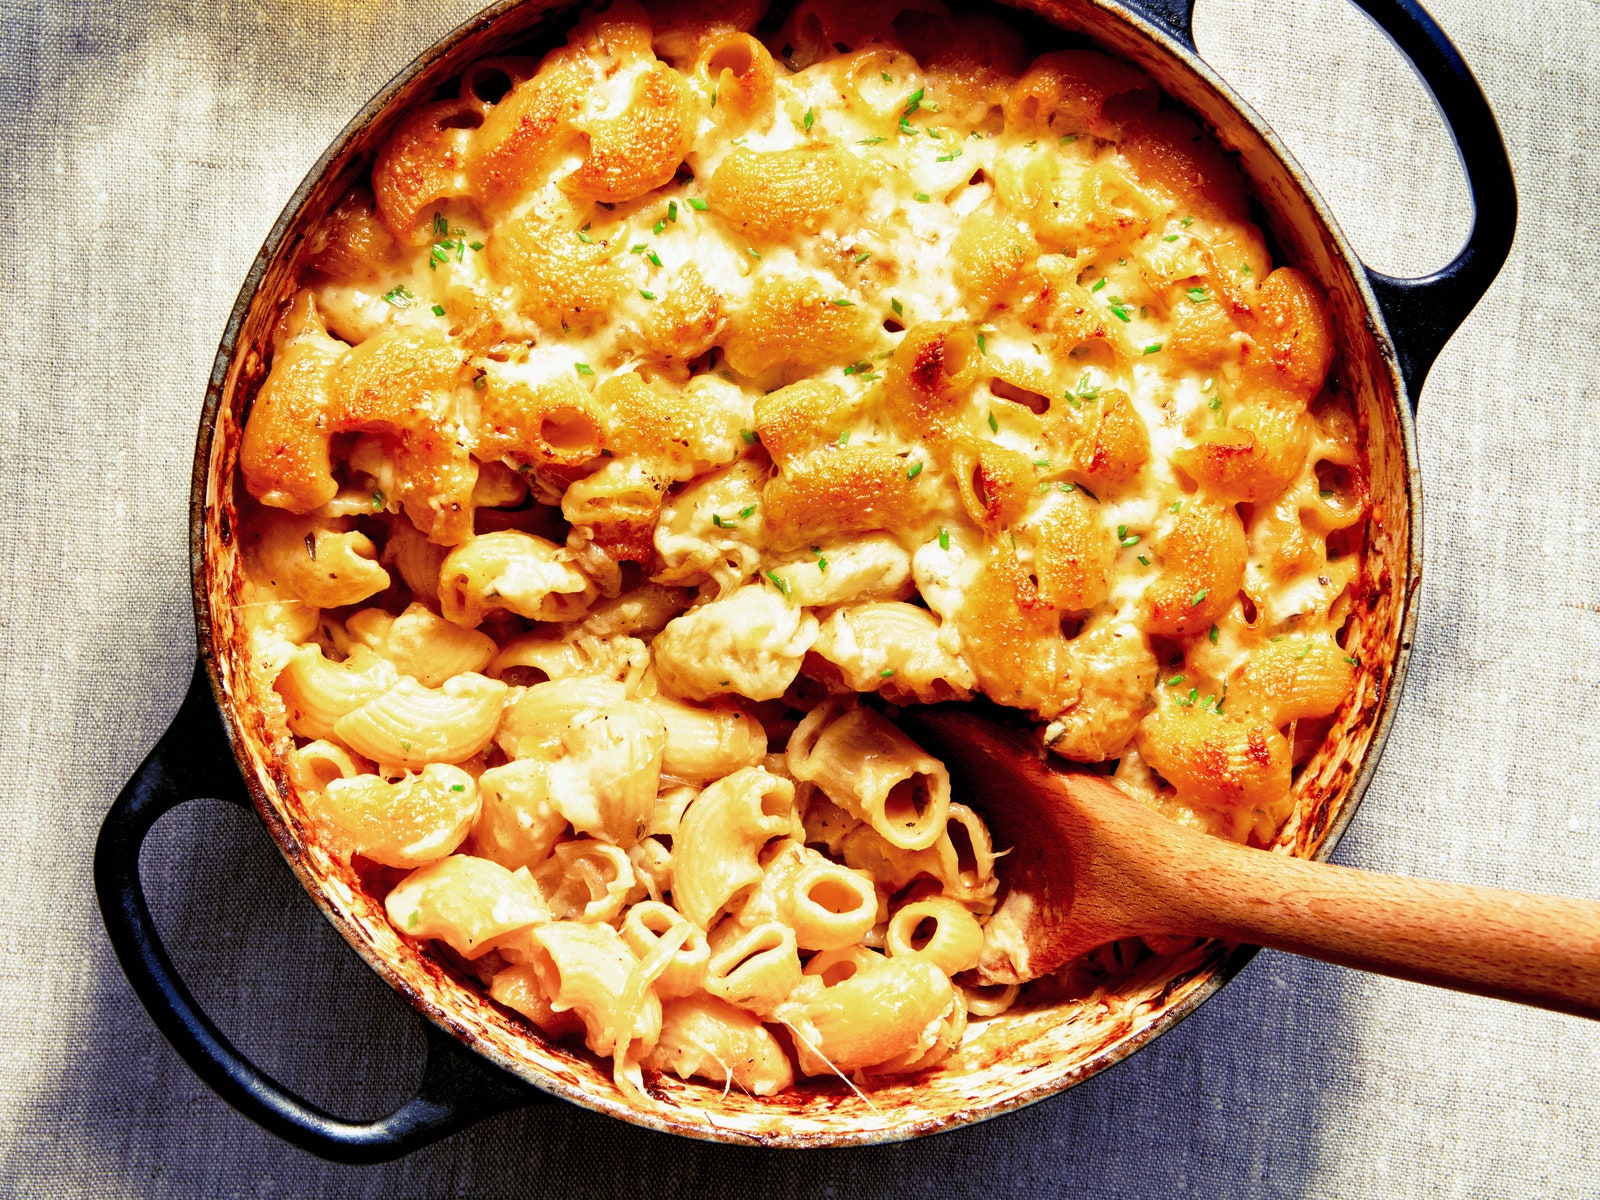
(149, 144)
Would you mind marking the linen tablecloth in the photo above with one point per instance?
(147, 146)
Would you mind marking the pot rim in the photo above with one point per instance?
(1222, 970)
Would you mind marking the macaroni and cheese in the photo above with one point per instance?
(665, 412)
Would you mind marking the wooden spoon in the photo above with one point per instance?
(1089, 864)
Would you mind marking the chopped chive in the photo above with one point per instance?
(844, 437)
(377, 501)
(477, 245)
(1067, 139)
(1216, 403)
(698, 204)
(887, 78)
(716, 519)
(1171, 237)
(1152, 348)
(583, 368)
(659, 225)
(750, 436)
(438, 310)
(899, 310)
(944, 538)
(1144, 561)
(778, 582)
(1199, 596)
(843, 303)
(654, 258)
(1120, 311)
(1099, 283)
(810, 118)
(583, 236)
(914, 470)
(1130, 539)
(951, 157)
(638, 248)
(1186, 222)
(400, 296)
(885, 673)
(1176, 505)
(1199, 295)
(411, 921)
(672, 210)
(647, 295)
(871, 141)
(752, 252)
(863, 256)
(1069, 487)
(1194, 694)
(982, 345)
(914, 101)
(744, 513)
(458, 787)
(1041, 462)
(440, 225)
(920, 197)
(1279, 638)
(1352, 660)
(994, 425)
(1215, 632)
(714, 95)
(1122, 531)
(1325, 494)
(1176, 680)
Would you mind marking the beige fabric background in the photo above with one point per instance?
(147, 146)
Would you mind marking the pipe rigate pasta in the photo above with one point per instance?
(661, 413)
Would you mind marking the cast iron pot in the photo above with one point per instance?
(481, 1059)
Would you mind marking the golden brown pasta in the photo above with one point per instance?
(664, 413)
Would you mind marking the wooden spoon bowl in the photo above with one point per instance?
(1089, 864)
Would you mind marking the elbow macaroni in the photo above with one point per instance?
(638, 436)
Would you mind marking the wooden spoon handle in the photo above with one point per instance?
(1542, 950)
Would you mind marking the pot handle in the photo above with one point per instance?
(194, 759)
(1422, 314)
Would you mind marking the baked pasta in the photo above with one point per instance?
(667, 411)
